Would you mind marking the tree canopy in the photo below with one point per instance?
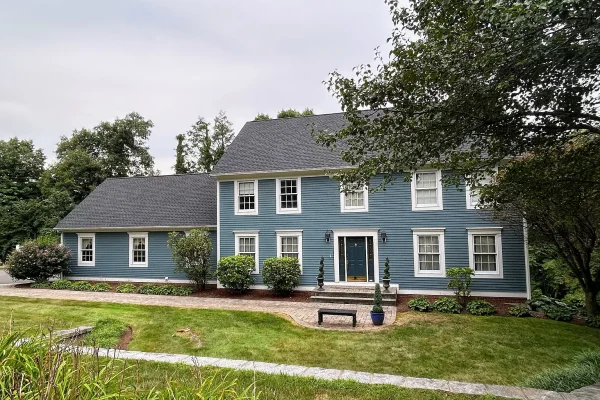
(293, 113)
(469, 83)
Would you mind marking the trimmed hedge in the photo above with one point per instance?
(481, 307)
(281, 274)
(233, 272)
(447, 305)
(419, 304)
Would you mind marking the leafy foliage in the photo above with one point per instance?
(262, 117)
(447, 305)
(233, 272)
(163, 290)
(593, 321)
(61, 284)
(191, 255)
(40, 285)
(81, 286)
(519, 311)
(281, 274)
(321, 268)
(377, 300)
(419, 304)
(553, 308)
(180, 167)
(101, 287)
(583, 371)
(126, 288)
(481, 307)
(575, 300)
(292, 113)
(559, 313)
(38, 262)
(460, 281)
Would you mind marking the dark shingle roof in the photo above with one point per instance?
(282, 144)
(155, 201)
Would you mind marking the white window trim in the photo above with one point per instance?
(286, 233)
(468, 189)
(364, 208)
(81, 236)
(429, 232)
(499, 273)
(413, 191)
(236, 190)
(133, 235)
(254, 234)
(280, 210)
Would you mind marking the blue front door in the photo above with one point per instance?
(356, 259)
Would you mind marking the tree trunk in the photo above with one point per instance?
(591, 302)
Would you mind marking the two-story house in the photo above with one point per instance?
(275, 197)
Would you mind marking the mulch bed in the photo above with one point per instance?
(502, 304)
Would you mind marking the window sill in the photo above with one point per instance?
(138, 265)
(289, 212)
(428, 208)
(246, 213)
(86, 264)
(430, 275)
(354, 210)
(496, 275)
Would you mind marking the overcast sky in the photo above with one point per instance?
(70, 64)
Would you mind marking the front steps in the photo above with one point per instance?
(352, 295)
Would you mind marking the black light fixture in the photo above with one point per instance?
(328, 236)
(383, 236)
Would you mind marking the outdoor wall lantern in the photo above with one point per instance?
(328, 236)
(383, 236)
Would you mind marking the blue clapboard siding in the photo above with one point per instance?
(112, 257)
(389, 210)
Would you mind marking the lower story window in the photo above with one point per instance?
(485, 252)
(247, 244)
(138, 249)
(289, 244)
(429, 252)
(87, 248)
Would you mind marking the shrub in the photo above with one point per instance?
(559, 313)
(460, 281)
(419, 304)
(583, 371)
(181, 291)
(191, 255)
(81, 286)
(233, 272)
(40, 285)
(148, 289)
(593, 321)
(281, 274)
(575, 300)
(519, 311)
(481, 307)
(447, 305)
(127, 288)
(164, 290)
(377, 300)
(61, 284)
(101, 287)
(38, 262)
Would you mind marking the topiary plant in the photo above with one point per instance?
(460, 281)
(447, 305)
(321, 268)
(281, 274)
(81, 286)
(377, 300)
(61, 284)
(419, 304)
(386, 269)
(233, 272)
(519, 311)
(127, 288)
(481, 307)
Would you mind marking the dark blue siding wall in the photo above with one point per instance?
(112, 257)
(389, 210)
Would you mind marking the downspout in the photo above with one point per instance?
(526, 253)
(218, 226)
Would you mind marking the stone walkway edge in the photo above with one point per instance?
(334, 374)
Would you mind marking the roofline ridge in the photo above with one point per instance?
(158, 176)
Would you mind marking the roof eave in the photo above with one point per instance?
(133, 228)
(282, 172)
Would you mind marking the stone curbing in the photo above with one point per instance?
(335, 374)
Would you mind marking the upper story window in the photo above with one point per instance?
(355, 199)
(473, 192)
(289, 196)
(427, 190)
(429, 252)
(485, 252)
(289, 244)
(138, 249)
(87, 249)
(246, 197)
(246, 244)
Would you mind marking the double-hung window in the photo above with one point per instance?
(429, 252)
(473, 192)
(289, 196)
(426, 190)
(485, 252)
(87, 249)
(289, 244)
(138, 249)
(355, 199)
(246, 197)
(246, 244)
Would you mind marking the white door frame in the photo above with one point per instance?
(336, 253)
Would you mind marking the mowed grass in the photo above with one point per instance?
(498, 350)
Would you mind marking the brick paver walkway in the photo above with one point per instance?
(304, 314)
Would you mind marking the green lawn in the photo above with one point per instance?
(498, 350)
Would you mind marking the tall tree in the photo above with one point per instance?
(293, 113)
(558, 194)
(262, 117)
(469, 83)
(180, 151)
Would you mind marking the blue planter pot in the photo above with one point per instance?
(377, 318)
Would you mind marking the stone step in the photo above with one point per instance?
(350, 300)
(361, 294)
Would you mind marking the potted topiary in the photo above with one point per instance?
(386, 274)
(377, 314)
(321, 276)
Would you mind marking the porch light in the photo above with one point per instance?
(328, 236)
(383, 236)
